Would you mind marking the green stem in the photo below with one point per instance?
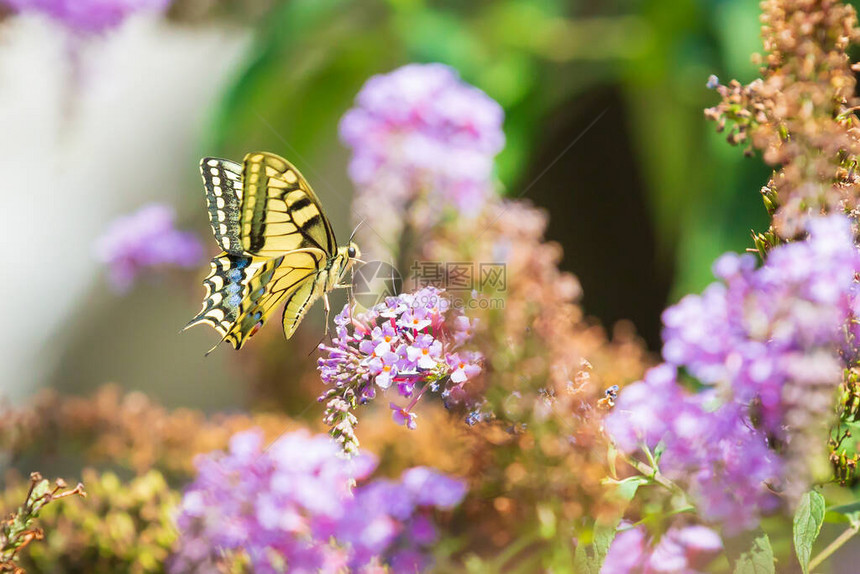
(654, 474)
(651, 459)
(657, 477)
(501, 561)
(835, 545)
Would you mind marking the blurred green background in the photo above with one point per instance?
(604, 120)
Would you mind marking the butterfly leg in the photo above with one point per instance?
(327, 313)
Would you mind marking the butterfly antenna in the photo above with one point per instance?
(394, 292)
(357, 227)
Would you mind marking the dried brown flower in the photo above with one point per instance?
(125, 429)
(540, 451)
(800, 114)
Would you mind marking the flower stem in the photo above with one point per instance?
(835, 545)
(653, 474)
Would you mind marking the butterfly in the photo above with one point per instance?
(278, 247)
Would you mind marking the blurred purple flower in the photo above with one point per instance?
(144, 240)
(421, 132)
(686, 550)
(88, 16)
(767, 328)
(292, 504)
(431, 488)
(709, 448)
(406, 342)
(770, 345)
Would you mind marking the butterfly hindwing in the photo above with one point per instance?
(222, 180)
(275, 281)
(279, 211)
(226, 286)
(299, 301)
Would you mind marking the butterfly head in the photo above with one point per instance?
(353, 252)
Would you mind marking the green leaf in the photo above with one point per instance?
(626, 489)
(807, 525)
(846, 509)
(583, 563)
(758, 559)
(588, 558)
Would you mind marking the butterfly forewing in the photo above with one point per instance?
(280, 212)
(222, 180)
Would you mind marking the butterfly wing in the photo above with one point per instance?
(298, 302)
(279, 210)
(222, 180)
(226, 287)
(276, 280)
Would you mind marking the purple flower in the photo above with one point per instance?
(430, 488)
(770, 345)
(425, 351)
(146, 239)
(88, 16)
(420, 132)
(686, 550)
(403, 417)
(412, 341)
(765, 329)
(293, 504)
(708, 447)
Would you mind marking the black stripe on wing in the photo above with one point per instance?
(222, 180)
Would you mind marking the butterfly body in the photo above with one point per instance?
(278, 247)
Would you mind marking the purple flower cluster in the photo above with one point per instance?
(143, 240)
(769, 344)
(88, 16)
(293, 506)
(422, 130)
(686, 550)
(708, 447)
(411, 343)
(767, 328)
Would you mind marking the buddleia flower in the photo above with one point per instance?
(299, 503)
(768, 345)
(409, 344)
(88, 16)
(423, 143)
(144, 241)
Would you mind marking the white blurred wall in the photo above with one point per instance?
(81, 143)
